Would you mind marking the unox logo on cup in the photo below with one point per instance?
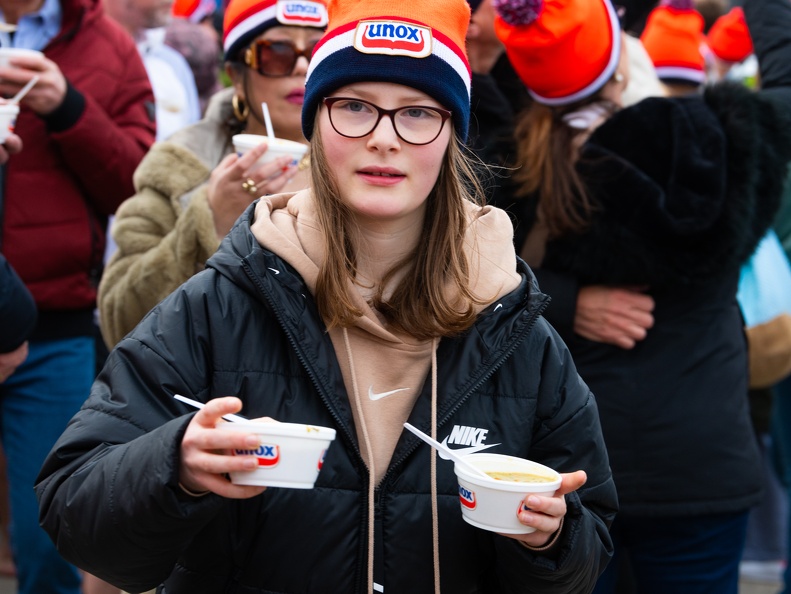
(268, 454)
(394, 38)
(467, 498)
(321, 458)
(310, 14)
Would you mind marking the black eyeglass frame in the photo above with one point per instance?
(443, 113)
(252, 55)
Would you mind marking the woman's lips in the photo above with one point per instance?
(296, 97)
(377, 176)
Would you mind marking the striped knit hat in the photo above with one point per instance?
(729, 38)
(563, 50)
(193, 10)
(673, 36)
(419, 44)
(245, 20)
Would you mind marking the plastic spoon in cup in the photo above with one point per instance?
(23, 91)
(458, 459)
(229, 417)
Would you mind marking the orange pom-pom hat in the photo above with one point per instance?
(563, 50)
(729, 38)
(673, 36)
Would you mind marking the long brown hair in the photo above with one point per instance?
(433, 298)
(547, 149)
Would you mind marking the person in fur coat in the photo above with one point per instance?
(193, 187)
(637, 221)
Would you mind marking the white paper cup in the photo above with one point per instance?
(8, 52)
(290, 455)
(8, 115)
(277, 147)
(493, 504)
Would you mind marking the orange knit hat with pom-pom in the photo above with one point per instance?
(729, 38)
(563, 50)
(673, 36)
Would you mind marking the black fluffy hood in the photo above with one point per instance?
(685, 188)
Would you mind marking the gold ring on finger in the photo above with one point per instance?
(249, 186)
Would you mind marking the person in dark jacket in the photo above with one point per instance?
(17, 318)
(662, 202)
(85, 125)
(383, 294)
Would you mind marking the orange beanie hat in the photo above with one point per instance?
(563, 50)
(193, 10)
(419, 44)
(672, 37)
(244, 20)
(729, 38)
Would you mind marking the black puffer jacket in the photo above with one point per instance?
(685, 188)
(247, 326)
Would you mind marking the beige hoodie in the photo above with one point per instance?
(383, 370)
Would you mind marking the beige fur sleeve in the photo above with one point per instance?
(160, 245)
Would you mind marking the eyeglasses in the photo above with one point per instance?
(414, 124)
(275, 58)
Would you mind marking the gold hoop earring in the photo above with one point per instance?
(240, 114)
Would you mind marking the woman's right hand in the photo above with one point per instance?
(205, 452)
(228, 192)
(614, 315)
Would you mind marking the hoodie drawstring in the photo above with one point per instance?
(434, 514)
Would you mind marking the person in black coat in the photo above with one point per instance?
(654, 207)
(17, 319)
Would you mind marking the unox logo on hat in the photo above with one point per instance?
(467, 498)
(305, 14)
(393, 38)
(268, 454)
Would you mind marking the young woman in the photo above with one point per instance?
(193, 187)
(384, 294)
(637, 222)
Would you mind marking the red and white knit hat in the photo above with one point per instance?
(193, 10)
(418, 43)
(563, 50)
(729, 38)
(244, 20)
(673, 36)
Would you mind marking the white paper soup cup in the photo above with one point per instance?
(493, 504)
(8, 115)
(290, 455)
(11, 52)
(277, 147)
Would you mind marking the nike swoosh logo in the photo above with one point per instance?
(373, 396)
(464, 451)
(275, 271)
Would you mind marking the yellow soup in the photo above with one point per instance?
(519, 477)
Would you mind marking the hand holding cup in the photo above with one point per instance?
(239, 179)
(205, 452)
(18, 67)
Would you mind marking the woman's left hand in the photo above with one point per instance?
(545, 513)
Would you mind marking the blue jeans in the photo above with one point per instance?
(691, 555)
(36, 404)
(781, 440)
